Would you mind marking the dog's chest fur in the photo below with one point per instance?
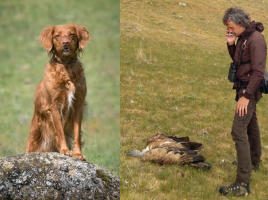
(67, 82)
(71, 98)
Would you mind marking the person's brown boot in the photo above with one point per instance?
(235, 189)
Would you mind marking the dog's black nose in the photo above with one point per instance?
(65, 42)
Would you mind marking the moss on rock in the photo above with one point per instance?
(54, 176)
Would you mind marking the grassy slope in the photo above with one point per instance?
(173, 75)
(22, 67)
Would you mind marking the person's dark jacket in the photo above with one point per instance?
(255, 51)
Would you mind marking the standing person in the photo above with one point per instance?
(249, 57)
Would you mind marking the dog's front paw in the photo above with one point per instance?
(80, 156)
(67, 152)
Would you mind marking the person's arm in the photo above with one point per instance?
(258, 51)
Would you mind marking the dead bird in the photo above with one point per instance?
(161, 140)
(164, 150)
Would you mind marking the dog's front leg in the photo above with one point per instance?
(60, 136)
(77, 134)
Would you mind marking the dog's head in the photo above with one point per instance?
(65, 41)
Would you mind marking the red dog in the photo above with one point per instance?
(60, 96)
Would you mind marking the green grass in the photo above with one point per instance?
(23, 61)
(173, 80)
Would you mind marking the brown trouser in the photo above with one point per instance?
(246, 135)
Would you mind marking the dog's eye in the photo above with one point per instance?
(72, 34)
(57, 36)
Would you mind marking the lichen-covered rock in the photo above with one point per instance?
(54, 176)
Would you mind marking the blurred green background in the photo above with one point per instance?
(22, 63)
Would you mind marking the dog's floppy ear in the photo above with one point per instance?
(46, 38)
(83, 36)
